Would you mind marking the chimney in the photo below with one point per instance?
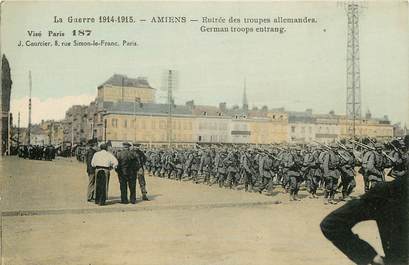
(190, 104)
(223, 106)
(139, 102)
(368, 115)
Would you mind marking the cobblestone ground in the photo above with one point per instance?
(46, 220)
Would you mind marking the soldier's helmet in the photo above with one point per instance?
(398, 144)
(378, 146)
(406, 140)
(333, 145)
(349, 146)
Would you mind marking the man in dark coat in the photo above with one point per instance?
(387, 204)
(127, 174)
(90, 170)
(140, 171)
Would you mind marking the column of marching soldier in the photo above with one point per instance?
(249, 167)
(261, 169)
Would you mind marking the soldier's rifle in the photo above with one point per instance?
(330, 148)
(269, 154)
(276, 147)
(342, 146)
(396, 149)
(373, 149)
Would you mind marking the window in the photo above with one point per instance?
(293, 129)
(161, 124)
(114, 123)
(125, 124)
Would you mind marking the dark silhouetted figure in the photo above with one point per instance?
(387, 204)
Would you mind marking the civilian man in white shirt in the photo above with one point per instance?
(103, 162)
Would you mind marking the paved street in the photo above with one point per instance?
(46, 220)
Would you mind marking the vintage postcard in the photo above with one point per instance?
(204, 132)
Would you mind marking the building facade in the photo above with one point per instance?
(120, 88)
(125, 110)
(76, 124)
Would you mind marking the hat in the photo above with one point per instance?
(103, 146)
(126, 144)
(92, 141)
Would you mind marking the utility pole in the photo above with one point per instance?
(134, 118)
(122, 90)
(105, 130)
(245, 100)
(72, 135)
(29, 109)
(353, 102)
(51, 132)
(9, 133)
(18, 130)
(92, 129)
(170, 103)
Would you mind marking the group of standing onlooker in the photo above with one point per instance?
(129, 165)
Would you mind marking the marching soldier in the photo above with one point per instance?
(314, 172)
(266, 174)
(331, 162)
(232, 163)
(293, 164)
(398, 160)
(205, 166)
(347, 171)
(221, 169)
(374, 166)
(248, 171)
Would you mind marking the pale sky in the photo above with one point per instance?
(302, 68)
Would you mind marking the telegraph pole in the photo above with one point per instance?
(18, 130)
(29, 109)
(353, 102)
(134, 119)
(72, 135)
(9, 133)
(122, 90)
(170, 103)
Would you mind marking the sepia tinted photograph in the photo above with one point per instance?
(204, 132)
